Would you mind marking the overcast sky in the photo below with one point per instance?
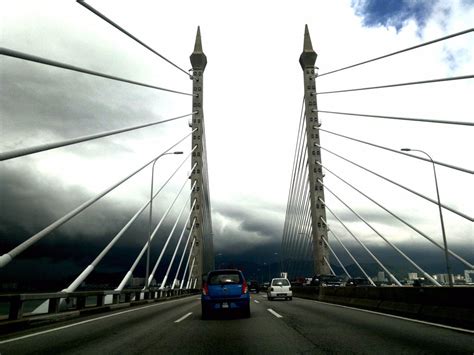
(252, 97)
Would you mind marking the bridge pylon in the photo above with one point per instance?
(203, 251)
(315, 175)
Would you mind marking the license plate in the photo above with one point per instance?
(281, 294)
(225, 305)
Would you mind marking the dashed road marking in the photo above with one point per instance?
(256, 301)
(183, 317)
(274, 313)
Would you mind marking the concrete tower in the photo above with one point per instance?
(203, 253)
(318, 211)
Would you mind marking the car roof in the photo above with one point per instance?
(225, 270)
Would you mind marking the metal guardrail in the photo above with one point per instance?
(61, 302)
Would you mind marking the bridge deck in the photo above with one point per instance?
(297, 326)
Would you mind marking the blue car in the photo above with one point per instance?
(225, 290)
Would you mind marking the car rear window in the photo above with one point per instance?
(225, 278)
(280, 282)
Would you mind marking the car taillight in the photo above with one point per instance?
(205, 290)
(245, 288)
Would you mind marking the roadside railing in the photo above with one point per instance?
(61, 302)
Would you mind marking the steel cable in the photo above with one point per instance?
(90, 8)
(463, 123)
(399, 51)
(431, 81)
(36, 59)
(399, 152)
(400, 185)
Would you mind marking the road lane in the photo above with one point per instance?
(228, 333)
(305, 326)
(352, 330)
(117, 334)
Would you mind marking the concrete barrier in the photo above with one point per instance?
(453, 306)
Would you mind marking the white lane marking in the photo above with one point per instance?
(274, 313)
(183, 317)
(398, 317)
(256, 301)
(87, 321)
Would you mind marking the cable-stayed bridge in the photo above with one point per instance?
(172, 270)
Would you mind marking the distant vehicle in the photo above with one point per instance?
(280, 288)
(299, 281)
(326, 280)
(358, 281)
(254, 286)
(225, 290)
(266, 285)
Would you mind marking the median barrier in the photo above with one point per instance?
(449, 305)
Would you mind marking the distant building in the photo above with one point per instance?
(381, 276)
(136, 282)
(468, 276)
(412, 276)
(444, 279)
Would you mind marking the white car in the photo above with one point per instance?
(280, 288)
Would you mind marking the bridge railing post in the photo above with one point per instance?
(16, 308)
(100, 300)
(53, 305)
(80, 302)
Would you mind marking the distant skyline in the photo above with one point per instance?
(252, 96)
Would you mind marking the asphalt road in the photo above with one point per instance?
(275, 327)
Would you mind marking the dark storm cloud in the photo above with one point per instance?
(30, 202)
(395, 13)
(372, 217)
(430, 258)
(239, 228)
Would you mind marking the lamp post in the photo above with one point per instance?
(268, 268)
(448, 268)
(279, 264)
(147, 282)
(219, 263)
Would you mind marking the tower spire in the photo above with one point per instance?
(198, 58)
(197, 43)
(308, 56)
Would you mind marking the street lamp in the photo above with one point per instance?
(448, 268)
(147, 282)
